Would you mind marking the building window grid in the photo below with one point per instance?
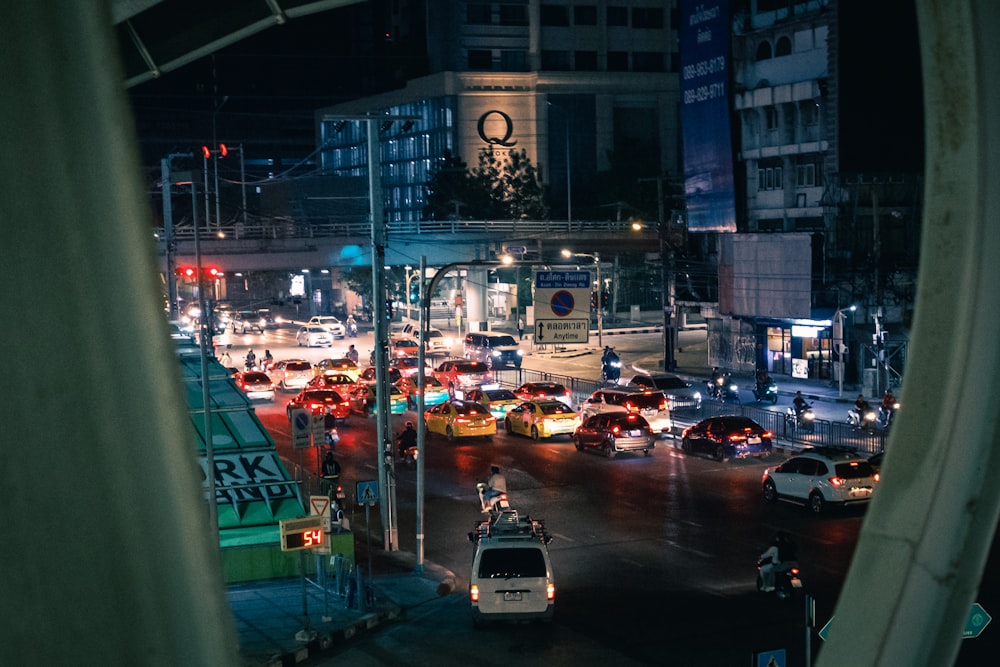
(769, 178)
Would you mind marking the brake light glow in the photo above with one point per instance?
(616, 429)
(836, 481)
(474, 593)
(876, 477)
(550, 591)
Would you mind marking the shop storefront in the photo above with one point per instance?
(796, 348)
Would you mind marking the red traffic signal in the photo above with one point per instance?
(207, 152)
(191, 273)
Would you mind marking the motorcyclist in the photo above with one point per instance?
(764, 382)
(496, 485)
(781, 551)
(608, 360)
(861, 408)
(800, 403)
(889, 405)
(407, 439)
(352, 326)
(251, 360)
(331, 469)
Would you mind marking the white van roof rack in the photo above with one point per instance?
(510, 525)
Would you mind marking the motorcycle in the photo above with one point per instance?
(352, 330)
(766, 391)
(498, 503)
(331, 437)
(722, 388)
(865, 421)
(802, 420)
(885, 416)
(787, 578)
(611, 367)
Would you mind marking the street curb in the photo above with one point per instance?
(323, 643)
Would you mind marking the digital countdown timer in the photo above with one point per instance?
(304, 533)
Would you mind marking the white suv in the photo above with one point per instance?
(330, 323)
(651, 404)
(819, 476)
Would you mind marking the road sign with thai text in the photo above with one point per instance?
(562, 306)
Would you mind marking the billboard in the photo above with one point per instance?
(705, 118)
(766, 275)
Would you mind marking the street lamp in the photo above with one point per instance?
(600, 290)
(839, 345)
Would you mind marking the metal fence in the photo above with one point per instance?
(824, 432)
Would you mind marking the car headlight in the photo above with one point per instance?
(496, 353)
(520, 353)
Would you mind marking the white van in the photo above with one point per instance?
(511, 576)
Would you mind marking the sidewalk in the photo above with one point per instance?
(272, 629)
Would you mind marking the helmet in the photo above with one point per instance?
(409, 424)
(495, 470)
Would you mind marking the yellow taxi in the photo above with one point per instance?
(498, 401)
(460, 419)
(542, 418)
(343, 365)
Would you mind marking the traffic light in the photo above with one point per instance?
(191, 272)
(593, 300)
(605, 297)
(414, 292)
(388, 308)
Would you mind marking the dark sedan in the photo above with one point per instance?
(727, 437)
(320, 402)
(613, 432)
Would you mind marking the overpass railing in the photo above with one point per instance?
(289, 229)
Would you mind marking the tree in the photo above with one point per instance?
(499, 187)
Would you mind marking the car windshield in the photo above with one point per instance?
(652, 400)
(854, 469)
(627, 421)
(740, 424)
(511, 563)
(670, 382)
(470, 408)
(255, 377)
(471, 367)
(546, 389)
(298, 366)
(554, 408)
(497, 341)
(500, 395)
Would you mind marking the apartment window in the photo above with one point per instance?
(769, 178)
(584, 15)
(647, 61)
(480, 60)
(513, 61)
(647, 17)
(618, 16)
(771, 118)
(783, 47)
(805, 175)
(585, 61)
(513, 15)
(478, 13)
(554, 15)
(809, 112)
(763, 51)
(556, 60)
(617, 61)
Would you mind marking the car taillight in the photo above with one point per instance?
(664, 404)
(462, 420)
(876, 477)
(767, 434)
(794, 571)
(836, 481)
(550, 591)
(474, 593)
(616, 430)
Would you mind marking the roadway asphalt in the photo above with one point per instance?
(269, 616)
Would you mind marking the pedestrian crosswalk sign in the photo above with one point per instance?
(368, 492)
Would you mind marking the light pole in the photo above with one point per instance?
(839, 345)
(600, 290)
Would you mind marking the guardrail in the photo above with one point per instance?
(824, 433)
(290, 229)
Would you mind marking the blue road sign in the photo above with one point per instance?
(368, 492)
(775, 658)
(977, 621)
(562, 303)
(974, 625)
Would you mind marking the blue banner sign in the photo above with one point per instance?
(705, 117)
